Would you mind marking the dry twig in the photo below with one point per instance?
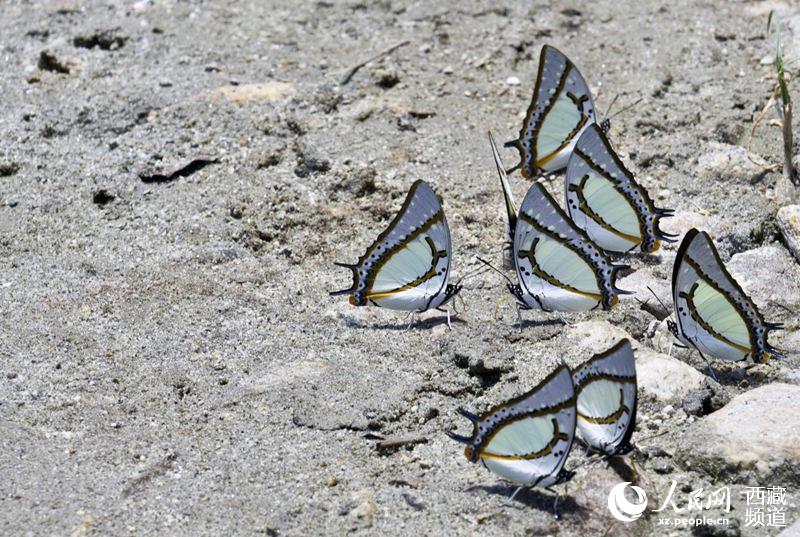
(353, 70)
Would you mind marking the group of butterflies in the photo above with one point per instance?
(562, 265)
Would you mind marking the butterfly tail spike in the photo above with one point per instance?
(350, 289)
(512, 143)
(617, 268)
(623, 291)
(460, 439)
(469, 415)
(773, 326)
(342, 292)
(774, 353)
(665, 212)
(664, 236)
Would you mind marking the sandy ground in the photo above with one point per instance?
(177, 179)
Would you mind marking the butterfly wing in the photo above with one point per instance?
(561, 108)
(527, 439)
(605, 200)
(712, 312)
(606, 393)
(508, 196)
(558, 266)
(407, 267)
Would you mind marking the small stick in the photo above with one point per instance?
(353, 70)
(402, 440)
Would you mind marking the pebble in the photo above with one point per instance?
(513, 81)
(662, 466)
(789, 224)
(727, 163)
(756, 431)
(664, 377)
(770, 277)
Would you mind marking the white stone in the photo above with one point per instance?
(513, 81)
(664, 377)
(770, 277)
(727, 162)
(757, 430)
(789, 224)
(658, 375)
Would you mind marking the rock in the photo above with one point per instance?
(103, 39)
(789, 224)
(770, 277)
(513, 81)
(662, 466)
(8, 168)
(791, 531)
(642, 282)
(50, 62)
(597, 481)
(755, 433)
(664, 377)
(103, 196)
(310, 161)
(246, 93)
(356, 181)
(386, 78)
(363, 109)
(590, 337)
(704, 400)
(727, 163)
(659, 375)
(683, 221)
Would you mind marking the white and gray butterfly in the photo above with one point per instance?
(558, 266)
(712, 312)
(527, 439)
(605, 200)
(561, 108)
(606, 389)
(407, 267)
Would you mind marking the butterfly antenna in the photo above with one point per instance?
(476, 272)
(494, 269)
(658, 299)
(624, 109)
(611, 106)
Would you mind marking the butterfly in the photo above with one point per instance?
(408, 265)
(561, 108)
(527, 439)
(606, 391)
(558, 266)
(605, 200)
(712, 313)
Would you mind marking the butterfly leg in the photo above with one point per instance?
(519, 318)
(447, 311)
(708, 365)
(555, 502)
(413, 318)
(511, 498)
